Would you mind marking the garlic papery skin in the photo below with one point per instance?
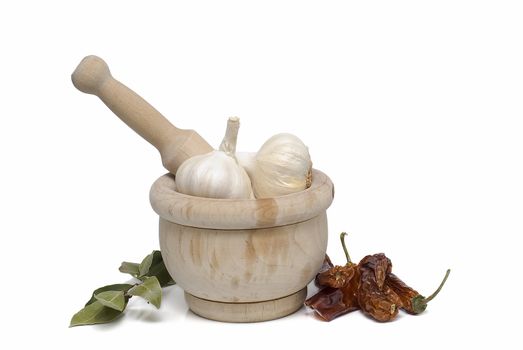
(216, 174)
(283, 165)
(248, 161)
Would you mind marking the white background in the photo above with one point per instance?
(413, 108)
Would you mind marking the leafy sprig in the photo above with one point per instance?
(108, 302)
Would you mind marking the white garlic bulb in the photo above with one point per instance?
(216, 174)
(281, 166)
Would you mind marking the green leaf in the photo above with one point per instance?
(94, 313)
(111, 287)
(130, 268)
(145, 265)
(112, 298)
(159, 270)
(150, 290)
(151, 266)
(161, 273)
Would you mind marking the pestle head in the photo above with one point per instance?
(90, 74)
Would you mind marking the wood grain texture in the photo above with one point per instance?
(244, 265)
(93, 76)
(247, 312)
(240, 213)
(243, 251)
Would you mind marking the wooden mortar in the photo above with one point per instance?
(243, 260)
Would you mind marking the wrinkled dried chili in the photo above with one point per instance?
(375, 297)
(413, 302)
(329, 303)
(327, 264)
(370, 286)
(338, 288)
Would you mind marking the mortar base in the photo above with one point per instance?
(247, 312)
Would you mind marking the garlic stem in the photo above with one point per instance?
(228, 144)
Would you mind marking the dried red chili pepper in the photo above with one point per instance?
(405, 293)
(337, 276)
(413, 302)
(376, 298)
(370, 286)
(330, 303)
(327, 264)
(339, 293)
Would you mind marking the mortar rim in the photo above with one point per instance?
(230, 214)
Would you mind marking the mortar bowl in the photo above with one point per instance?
(243, 260)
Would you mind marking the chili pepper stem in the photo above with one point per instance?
(342, 238)
(433, 295)
(419, 302)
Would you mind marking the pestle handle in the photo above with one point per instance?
(93, 76)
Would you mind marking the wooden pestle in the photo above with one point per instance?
(92, 76)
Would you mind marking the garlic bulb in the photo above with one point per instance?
(216, 174)
(281, 166)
